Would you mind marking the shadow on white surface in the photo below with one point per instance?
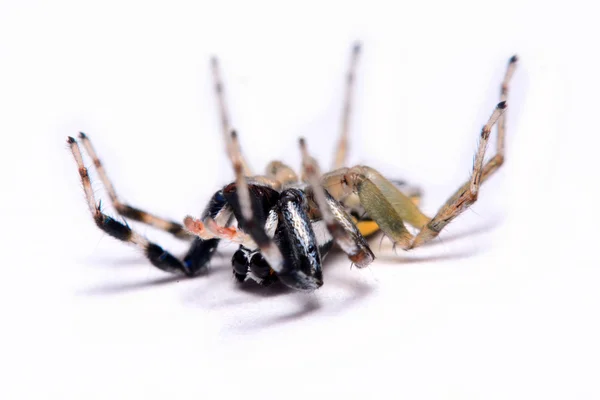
(216, 290)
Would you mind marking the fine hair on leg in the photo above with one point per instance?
(159, 257)
(126, 210)
(342, 146)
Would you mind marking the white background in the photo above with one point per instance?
(504, 305)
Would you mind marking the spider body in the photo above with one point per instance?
(285, 226)
(281, 216)
(289, 220)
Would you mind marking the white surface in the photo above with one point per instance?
(510, 311)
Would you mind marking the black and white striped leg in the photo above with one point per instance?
(159, 257)
(126, 210)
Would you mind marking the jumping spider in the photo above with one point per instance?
(286, 225)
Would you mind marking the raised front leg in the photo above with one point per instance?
(223, 111)
(159, 257)
(467, 194)
(126, 210)
(390, 208)
(342, 146)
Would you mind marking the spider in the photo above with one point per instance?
(286, 225)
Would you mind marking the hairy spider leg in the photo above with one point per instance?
(363, 222)
(337, 221)
(342, 147)
(389, 207)
(159, 257)
(296, 237)
(468, 192)
(223, 111)
(126, 210)
(495, 162)
(414, 193)
(498, 159)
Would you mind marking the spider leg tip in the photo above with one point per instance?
(502, 105)
(82, 135)
(70, 139)
(356, 47)
(513, 59)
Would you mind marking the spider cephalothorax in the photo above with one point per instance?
(285, 226)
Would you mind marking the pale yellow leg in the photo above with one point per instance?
(389, 207)
(342, 147)
(224, 113)
(467, 193)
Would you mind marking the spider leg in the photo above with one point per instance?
(223, 112)
(498, 159)
(382, 201)
(468, 192)
(342, 147)
(365, 224)
(387, 206)
(414, 193)
(159, 257)
(298, 241)
(126, 210)
(338, 222)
